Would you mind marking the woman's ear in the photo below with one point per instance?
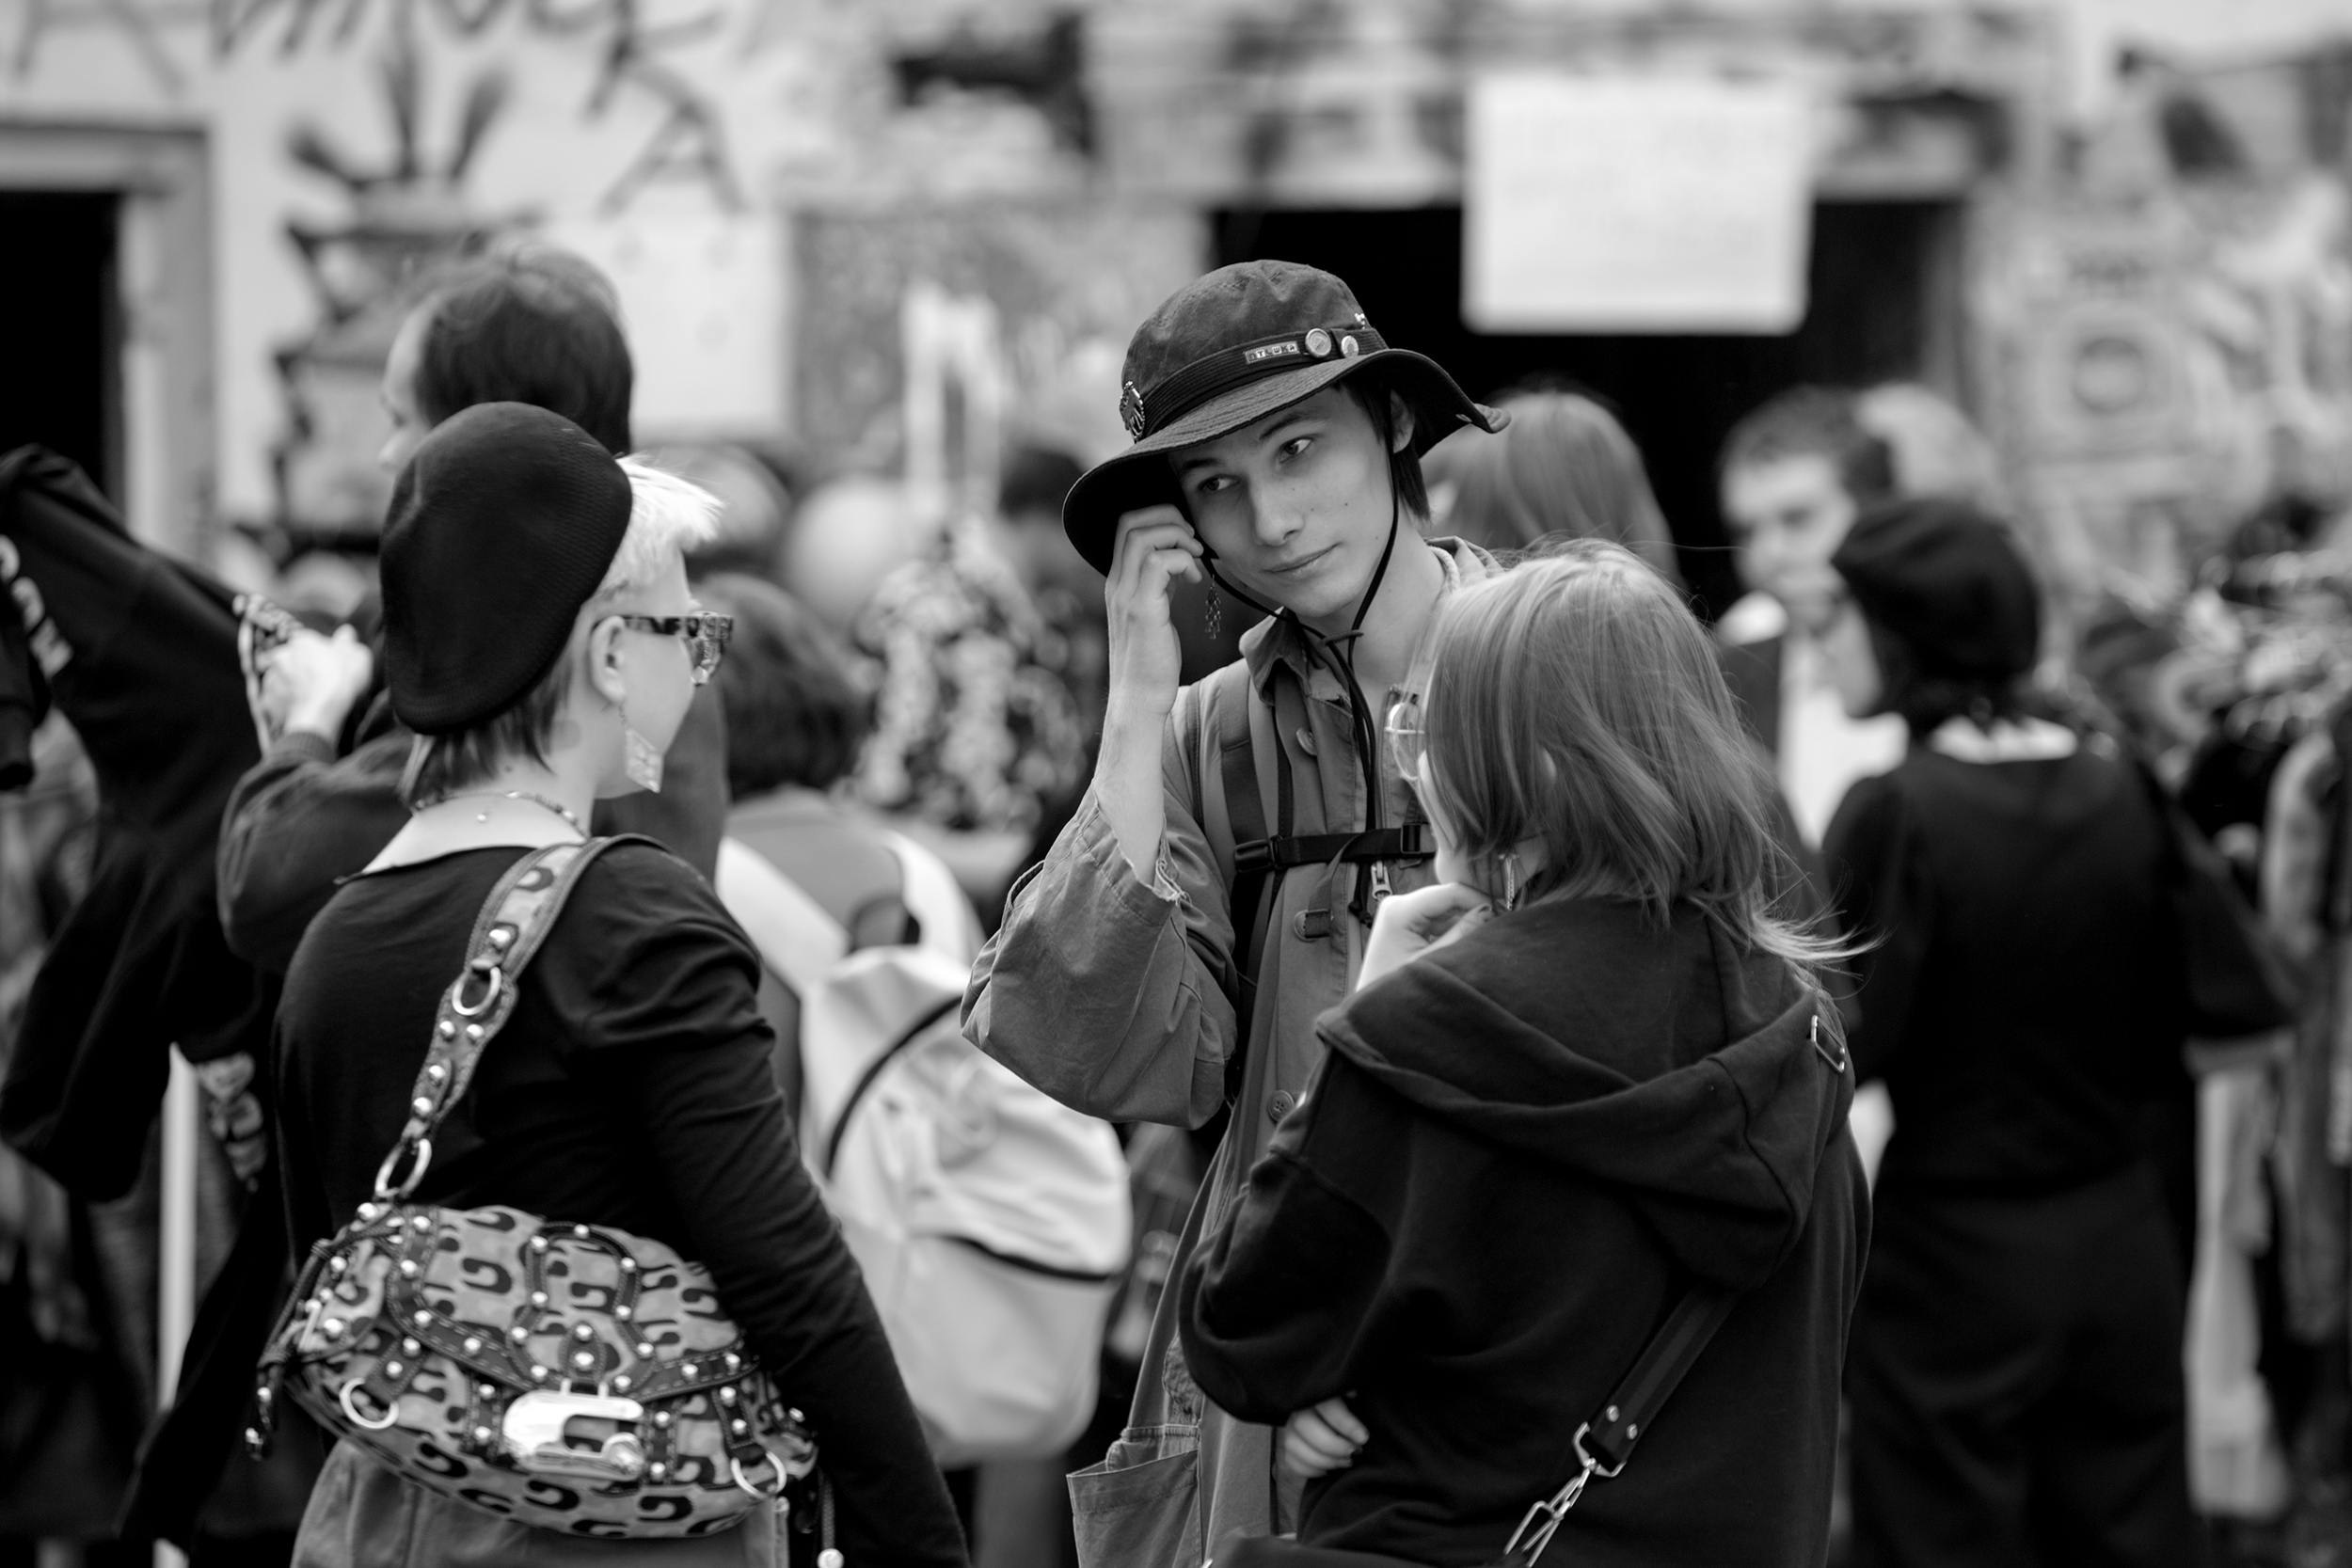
(604, 655)
(1400, 423)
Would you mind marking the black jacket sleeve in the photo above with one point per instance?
(298, 820)
(1279, 1305)
(1871, 859)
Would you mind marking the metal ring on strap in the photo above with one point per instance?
(384, 1188)
(773, 1464)
(457, 993)
(392, 1411)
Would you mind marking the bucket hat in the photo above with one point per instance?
(1229, 349)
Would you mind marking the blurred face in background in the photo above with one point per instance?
(1788, 515)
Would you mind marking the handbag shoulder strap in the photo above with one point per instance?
(515, 920)
(1606, 1441)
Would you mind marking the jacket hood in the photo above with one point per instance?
(1707, 1083)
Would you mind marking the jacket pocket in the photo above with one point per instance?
(1140, 1507)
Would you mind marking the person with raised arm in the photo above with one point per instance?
(1213, 894)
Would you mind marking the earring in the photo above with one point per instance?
(642, 760)
(1215, 616)
(1511, 889)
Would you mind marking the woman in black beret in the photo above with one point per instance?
(2015, 1368)
(542, 644)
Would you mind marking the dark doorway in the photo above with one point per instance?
(58, 273)
(1882, 306)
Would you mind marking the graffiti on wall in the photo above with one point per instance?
(687, 142)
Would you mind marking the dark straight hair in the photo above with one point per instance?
(1373, 394)
(533, 324)
(1925, 701)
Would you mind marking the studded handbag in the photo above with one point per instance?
(570, 1377)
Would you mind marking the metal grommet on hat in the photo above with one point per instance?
(1319, 342)
(1349, 347)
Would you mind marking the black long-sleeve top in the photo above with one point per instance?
(303, 818)
(630, 1089)
(2025, 991)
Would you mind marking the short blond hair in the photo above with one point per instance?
(665, 514)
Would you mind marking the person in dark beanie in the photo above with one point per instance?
(542, 644)
(1166, 960)
(535, 326)
(2015, 1371)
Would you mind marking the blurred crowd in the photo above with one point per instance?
(2061, 887)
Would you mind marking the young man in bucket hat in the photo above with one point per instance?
(1168, 960)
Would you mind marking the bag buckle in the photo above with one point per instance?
(1543, 1518)
(421, 1156)
(537, 1428)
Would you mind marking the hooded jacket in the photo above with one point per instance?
(140, 653)
(1521, 1150)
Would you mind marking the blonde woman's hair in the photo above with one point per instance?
(665, 514)
(1564, 469)
(1576, 700)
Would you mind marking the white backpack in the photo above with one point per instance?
(991, 1222)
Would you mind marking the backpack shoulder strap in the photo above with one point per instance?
(944, 1010)
(507, 934)
(941, 910)
(796, 937)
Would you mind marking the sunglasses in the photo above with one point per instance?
(704, 635)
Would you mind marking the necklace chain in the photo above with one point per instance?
(530, 796)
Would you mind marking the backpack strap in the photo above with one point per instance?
(796, 937)
(922, 1024)
(515, 920)
(1240, 734)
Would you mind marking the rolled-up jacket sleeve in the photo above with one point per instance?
(1107, 992)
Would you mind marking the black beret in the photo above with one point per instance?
(1949, 581)
(501, 526)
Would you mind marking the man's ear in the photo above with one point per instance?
(1400, 423)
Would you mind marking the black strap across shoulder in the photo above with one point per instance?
(1606, 1441)
(1260, 858)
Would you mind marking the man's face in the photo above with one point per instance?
(1296, 506)
(409, 425)
(1788, 516)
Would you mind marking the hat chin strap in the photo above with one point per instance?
(1338, 655)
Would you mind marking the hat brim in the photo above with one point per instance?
(1140, 477)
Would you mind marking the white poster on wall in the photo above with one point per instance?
(703, 300)
(1636, 204)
